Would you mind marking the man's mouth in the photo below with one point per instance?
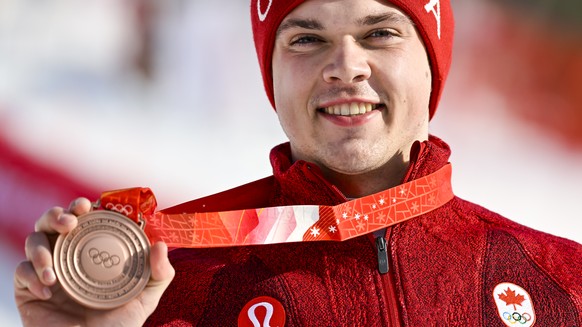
(350, 109)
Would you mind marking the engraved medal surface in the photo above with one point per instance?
(104, 262)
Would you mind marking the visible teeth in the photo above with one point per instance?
(354, 108)
(345, 109)
(350, 109)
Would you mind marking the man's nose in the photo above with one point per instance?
(348, 63)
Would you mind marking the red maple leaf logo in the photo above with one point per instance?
(510, 298)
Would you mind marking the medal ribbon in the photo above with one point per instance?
(298, 223)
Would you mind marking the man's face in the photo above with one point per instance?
(352, 84)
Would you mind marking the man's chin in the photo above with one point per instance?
(351, 166)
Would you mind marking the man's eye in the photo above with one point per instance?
(305, 40)
(383, 33)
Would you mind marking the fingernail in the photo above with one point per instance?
(46, 292)
(63, 219)
(49, 275)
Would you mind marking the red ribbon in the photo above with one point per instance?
(301, 223)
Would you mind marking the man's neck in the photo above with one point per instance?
(370, 182)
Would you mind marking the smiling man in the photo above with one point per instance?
(354, 84)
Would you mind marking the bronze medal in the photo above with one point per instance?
(104, 262)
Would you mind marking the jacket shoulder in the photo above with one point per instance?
(560, 259)
(533, 241)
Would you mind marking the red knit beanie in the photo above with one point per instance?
(433, 20)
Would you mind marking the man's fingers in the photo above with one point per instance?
(38, 252)
(162, 270)
(80, 206)
(37, 274)
(56, 221)
(26, 280)
(60, 221)
(47, 220)
(162, 275)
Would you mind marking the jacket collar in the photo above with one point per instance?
(302, 182)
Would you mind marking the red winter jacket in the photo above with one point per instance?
(446, 266)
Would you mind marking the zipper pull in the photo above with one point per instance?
(382, 255)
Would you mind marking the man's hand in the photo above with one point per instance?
(40, 298)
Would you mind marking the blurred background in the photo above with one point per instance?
(104, 94)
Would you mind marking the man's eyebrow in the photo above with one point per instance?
(310, 24)
(385, 17)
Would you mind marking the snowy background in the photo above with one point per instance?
(104, 94)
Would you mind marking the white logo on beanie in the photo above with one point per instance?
(430, 7)
(263, 15)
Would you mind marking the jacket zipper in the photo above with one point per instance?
(383, 251)
(382, 255)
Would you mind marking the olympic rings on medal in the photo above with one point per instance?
(122, 209)
(103, 257)
(516, 317)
